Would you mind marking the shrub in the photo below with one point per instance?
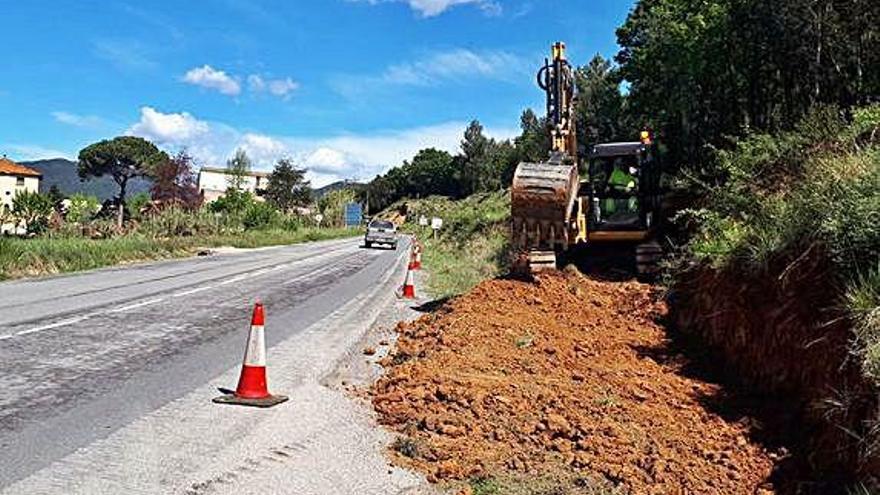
(32, 210)
(818, 185)
(136, 203)
(234, 202)
(259, 215)
(82, 208)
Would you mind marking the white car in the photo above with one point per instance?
(381, 232)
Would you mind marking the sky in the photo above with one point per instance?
(347, 88)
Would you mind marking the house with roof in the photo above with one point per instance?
(14, 180)
(213, 183)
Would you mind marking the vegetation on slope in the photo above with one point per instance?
(813, 191)
(472, 245)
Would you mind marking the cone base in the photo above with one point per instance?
(232, 399)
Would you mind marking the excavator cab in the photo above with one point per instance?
(622, 188)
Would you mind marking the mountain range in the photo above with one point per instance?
(63, 173)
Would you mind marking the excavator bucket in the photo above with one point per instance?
(542, 205)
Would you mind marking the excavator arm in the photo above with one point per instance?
(543, 195)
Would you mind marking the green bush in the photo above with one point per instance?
(82, 208)
(818, 185)
(136, 203)
(234, 202)
(260, 215)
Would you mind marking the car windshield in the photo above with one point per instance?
(382, 225)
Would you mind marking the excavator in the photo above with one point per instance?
(556, 210)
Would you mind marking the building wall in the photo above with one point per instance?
(214, 184)
(9, 187)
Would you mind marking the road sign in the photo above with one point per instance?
(423, 221)
(319, 218)
(436, 224)
(354, 215)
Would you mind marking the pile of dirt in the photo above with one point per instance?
(524, 377)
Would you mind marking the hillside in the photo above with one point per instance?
(62, 173)
(340, 185)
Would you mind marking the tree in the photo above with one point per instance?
(287, 186)
(237, 169)
(122, 158)
(174, 183)
(475, 148)
(56, 196)
(533, 143)
(600, 104)
(32, 210)
(332, 206)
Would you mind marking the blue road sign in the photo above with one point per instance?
(354, 215)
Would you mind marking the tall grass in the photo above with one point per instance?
(170, 235)
(471, 247)
(815, 187)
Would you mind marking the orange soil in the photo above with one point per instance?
(519, 377)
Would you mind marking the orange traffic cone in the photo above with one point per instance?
(252, 388)
(418, 257)
(412, 259)
(409, 287)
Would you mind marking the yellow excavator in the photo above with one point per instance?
(555, 210)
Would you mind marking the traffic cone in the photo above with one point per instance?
(418, 260)
(252, 389)
(409, 287)
(413, 265)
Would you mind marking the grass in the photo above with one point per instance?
(815, 189)
(49, 255)
(471, 247)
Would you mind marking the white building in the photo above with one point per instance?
(14, 180)
(213, 183)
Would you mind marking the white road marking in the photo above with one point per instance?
(149, 302)
(62, 323)
(137, 305)
(193, 291)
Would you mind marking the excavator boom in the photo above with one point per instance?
(543, 194)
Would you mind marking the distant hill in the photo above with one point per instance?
(63, 173)
(337, 186)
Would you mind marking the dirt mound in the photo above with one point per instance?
(518, 377)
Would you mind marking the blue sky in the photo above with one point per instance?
(346, 87)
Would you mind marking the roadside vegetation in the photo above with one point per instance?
(471, 247)
(810, 192)
(50, 233)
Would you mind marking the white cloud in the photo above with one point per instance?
(454, 65)
(277, 87)
(448, 67)
(431, 8)
(227, 84)
(83, 121)
(345, 156)
(125, 54)
(168, 128)
(262, 149)
(211, 78)
(28, 152)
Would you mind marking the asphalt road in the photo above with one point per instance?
(87, 360)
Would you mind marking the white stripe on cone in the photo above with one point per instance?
(255, 355)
